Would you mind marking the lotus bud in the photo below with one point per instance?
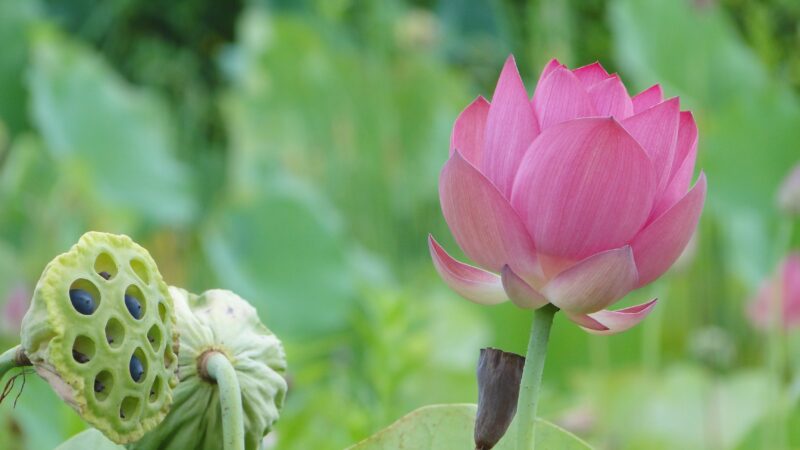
(499, 375)
(219, 322)
(778, 299)
(115, 368)
(789, 193)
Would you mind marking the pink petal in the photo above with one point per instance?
(586, 322)
(659, 244)
(467, 136)
(520, 292)
(485, 226)
(647, 98)
(594, 283)
(561, 97)
(683, 165)
(791, 290)
(656, 129)
(760, 309)
(551, 65)
(611, 98)
(614, 321)
(472, 283)
(591, 74)
(685, 146)
(584, 186)
(510, 128)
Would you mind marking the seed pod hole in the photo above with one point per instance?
(103, 384)
(115, 333)
(84, 296)
(105, 266)
(154, 336)
(155, 390)
(168, 358)
(129, 408)
(138, 366)
(135, 302)
(140, 269)
(162, 312)
(82, 349)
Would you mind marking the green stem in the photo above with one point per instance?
(11, 358)
(220, 369)
(532, 376)
(777, 338)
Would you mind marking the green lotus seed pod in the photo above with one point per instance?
(220, 321)
(116, 370)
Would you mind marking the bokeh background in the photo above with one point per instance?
(290, 151)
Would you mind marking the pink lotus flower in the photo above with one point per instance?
(787, 279)
(574, 198)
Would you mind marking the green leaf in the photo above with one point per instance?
(450, 427)
(372, 133)
(15, 17)
(113, 142)
(89, 439)
(38, 404)
(281, 248)
(674, 407)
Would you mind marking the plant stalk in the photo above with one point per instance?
(532, 376)
(220, 370)
(11, 358)
(777, 341)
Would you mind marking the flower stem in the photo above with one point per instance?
(13, 357)
(532, 376)
(219, 369)
(777, 341)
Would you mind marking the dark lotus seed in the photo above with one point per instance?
(136, 368)
(99, 386)
(134, 307)
(79, 357)
(82, 301)
(105, 275)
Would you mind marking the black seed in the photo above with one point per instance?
(136, 368)
(110, 340)
(105, 275)
(99, 386)
(121, 415)
(79, 357)
(134, 306)
(82, 301)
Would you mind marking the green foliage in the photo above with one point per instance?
(294, 279)
(15, 18)
(90, 438)
(449, 427)
(308, 100)
(99, 128)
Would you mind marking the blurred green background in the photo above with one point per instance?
(290, 150)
